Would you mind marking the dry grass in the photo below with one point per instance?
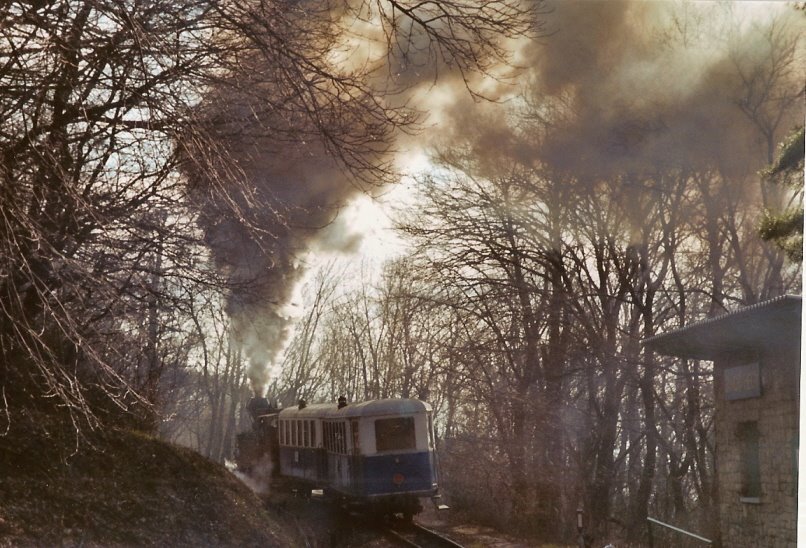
(128, 489)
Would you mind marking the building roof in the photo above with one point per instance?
(761, 326)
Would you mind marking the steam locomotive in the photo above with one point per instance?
(378, 454)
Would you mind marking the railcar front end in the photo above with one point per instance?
(382, 452)
(377, 454)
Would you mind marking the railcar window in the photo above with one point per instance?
(335, 438)
(313, 433)
(395, 434)
(306, 433)
(339, 437)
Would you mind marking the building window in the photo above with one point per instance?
(748, 437)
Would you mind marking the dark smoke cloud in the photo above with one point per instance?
(285, 148)
(638, 88)
(264, 200)
(637, 91)
(628, 113)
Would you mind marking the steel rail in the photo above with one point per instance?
(400, 538)
(422, 537)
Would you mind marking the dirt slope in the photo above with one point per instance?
(127, 490)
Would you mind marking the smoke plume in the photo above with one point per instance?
(626, 87)
(642, 87)
(265, 198)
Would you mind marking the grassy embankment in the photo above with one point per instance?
(122, 488)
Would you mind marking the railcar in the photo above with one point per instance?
(376, 454)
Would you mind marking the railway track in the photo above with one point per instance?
(320, 525)
(307, 535)
(418, 536)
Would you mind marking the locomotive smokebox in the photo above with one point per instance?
(258, 407)
(256, 450)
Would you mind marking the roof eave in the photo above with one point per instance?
(753, 328)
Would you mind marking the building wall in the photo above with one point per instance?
(771, 519)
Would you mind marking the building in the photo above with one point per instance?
(756, 355)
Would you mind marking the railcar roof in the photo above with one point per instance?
(309, 412)
(391, 406)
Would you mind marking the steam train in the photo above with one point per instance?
(378, 455)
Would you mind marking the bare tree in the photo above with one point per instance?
(103, 101)
(89, 103)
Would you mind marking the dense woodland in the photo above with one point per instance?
(169, 167)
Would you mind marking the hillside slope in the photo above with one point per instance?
(127, 489)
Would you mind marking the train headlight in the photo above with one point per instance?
(398, 478)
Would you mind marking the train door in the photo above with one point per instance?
(342, 476)
(432, 449)
(319, 442)
(356, 470)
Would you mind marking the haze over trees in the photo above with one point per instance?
(128, 136)
(168, 166)
(604, 204)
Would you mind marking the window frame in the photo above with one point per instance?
(383, 438)
(748, 438)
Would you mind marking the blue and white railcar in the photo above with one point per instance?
(299, 436)
(379, 452)
(382, 451)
